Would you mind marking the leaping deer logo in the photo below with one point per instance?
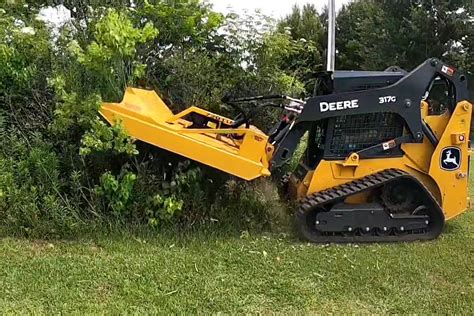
(450, 160)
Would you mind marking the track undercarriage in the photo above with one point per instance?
(324, 217)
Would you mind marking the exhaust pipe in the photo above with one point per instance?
(331, 55)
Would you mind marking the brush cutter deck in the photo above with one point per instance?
(193, 133)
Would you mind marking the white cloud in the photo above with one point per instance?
(275, 8)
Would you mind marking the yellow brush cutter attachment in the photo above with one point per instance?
(194, 133)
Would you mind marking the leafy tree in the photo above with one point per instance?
(437, 29)
(304, 23)
(183, 23)
(25, 64)
(110, 60)
(244, 58)
(373, 35)
(306, 28)
(356, 41)
(24, 54)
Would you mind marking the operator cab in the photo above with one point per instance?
(335, 138)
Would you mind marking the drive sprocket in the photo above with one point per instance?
(400, 196)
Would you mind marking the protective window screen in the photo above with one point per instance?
(356, 132)
(440, 97)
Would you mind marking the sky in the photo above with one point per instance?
(275, 8)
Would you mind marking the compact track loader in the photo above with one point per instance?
(387, 155)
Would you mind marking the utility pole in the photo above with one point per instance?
(331, 60)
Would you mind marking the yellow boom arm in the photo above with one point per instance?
(242, 152)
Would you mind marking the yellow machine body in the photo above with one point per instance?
(420, 160)
(243, 152)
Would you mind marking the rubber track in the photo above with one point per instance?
(341, 192)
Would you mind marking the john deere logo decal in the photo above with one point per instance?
(451, 158)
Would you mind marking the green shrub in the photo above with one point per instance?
(116, 192)
(104, 138)
(79, 172)
(32, 198)
(110, 60)
(163, 209)
(25, 49)
(74, 113)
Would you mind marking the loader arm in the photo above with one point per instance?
(402, 98)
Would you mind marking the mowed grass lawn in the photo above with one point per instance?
(210, 273)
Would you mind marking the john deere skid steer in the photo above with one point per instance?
(387, 155)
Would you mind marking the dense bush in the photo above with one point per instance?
(32, 193)
(63, 170)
